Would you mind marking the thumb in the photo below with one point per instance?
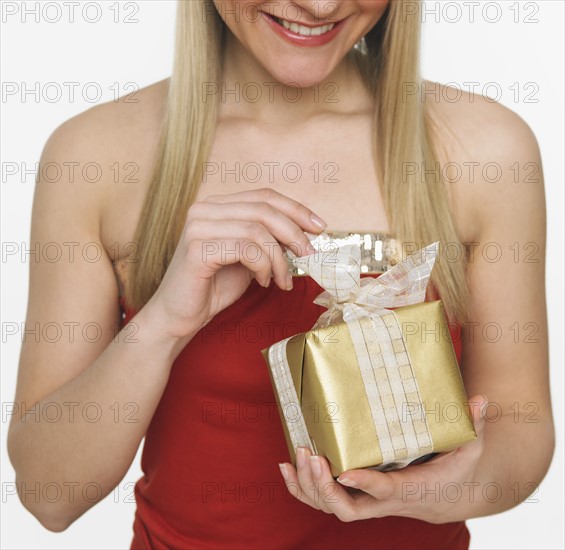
(379, 485)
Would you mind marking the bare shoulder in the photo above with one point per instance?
(489, 156)
(104, 157)
(482, 126)
(115, 127)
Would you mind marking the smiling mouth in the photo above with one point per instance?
(301, 29)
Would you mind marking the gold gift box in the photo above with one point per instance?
(334, 402)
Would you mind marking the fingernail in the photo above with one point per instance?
(316, 220)
(284, 471)
(288, 281)
(300, 457)
(316, 465)
(347, 482)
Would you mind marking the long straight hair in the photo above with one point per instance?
(416, 197)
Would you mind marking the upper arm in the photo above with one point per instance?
(505, 342)
(72, 311)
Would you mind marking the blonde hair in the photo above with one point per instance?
(417, 204)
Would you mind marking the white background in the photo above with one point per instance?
(457, 48)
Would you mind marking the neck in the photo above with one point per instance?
(249, 90)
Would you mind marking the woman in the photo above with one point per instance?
(308, 88)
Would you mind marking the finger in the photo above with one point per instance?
(333, 496)
(281, 226)
(380, 485)
(305, 478)
(291, 481)
(206, 257)
(384, 494)
(248, 232)
(302, 216)
(352, 504)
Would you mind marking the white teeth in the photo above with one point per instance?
(305, 31)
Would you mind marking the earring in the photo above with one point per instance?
(361, 45)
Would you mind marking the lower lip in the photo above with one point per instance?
(299, 40)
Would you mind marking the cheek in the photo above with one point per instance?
(373, 11)
(374, 8)
(236, 12)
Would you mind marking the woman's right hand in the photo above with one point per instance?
(227, 241)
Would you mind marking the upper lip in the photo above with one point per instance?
(311, 25)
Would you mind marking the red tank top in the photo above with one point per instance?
(210, 458)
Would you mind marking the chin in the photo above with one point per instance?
(298, 77)
(298, 82)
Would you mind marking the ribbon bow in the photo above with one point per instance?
(347, 296)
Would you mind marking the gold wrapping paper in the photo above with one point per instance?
(345, 410)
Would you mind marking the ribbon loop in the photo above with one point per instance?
(338, 272)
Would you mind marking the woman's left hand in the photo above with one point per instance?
(433, 491)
